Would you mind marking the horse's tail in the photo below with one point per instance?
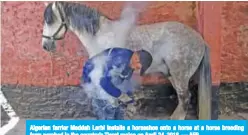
(205, 87)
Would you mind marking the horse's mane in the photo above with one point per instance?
(79, 16)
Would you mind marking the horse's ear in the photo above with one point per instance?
(54, 6)
(45, 3)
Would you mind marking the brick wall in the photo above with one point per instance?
(224, 27)
(234, 52)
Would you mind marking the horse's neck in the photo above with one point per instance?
(87, 41)
(104, 38)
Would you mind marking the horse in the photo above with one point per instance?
(179, 52)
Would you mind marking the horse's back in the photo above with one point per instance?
(179, 41)
(176, 32)
(181, 47)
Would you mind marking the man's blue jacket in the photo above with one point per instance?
(117, 57)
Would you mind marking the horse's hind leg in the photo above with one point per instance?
(183, 95)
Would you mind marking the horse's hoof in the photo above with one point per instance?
(177, 116)
(173, 118)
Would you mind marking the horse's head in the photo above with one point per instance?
(55, 26)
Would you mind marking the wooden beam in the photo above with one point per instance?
(209, 25)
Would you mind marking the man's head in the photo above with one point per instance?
(141, 61)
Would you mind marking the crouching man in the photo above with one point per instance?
(107, 80)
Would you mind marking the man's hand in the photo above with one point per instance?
(138, 95)
(125, 98)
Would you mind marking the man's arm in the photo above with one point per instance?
(108, 86)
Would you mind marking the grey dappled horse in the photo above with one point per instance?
(178, 51)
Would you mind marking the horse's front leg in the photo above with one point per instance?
(183, 95)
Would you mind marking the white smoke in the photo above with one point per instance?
(128, 20)
(120, 31)
(94, 89)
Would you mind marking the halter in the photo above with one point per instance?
(60, 27)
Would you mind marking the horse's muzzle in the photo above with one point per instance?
(49, 46)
